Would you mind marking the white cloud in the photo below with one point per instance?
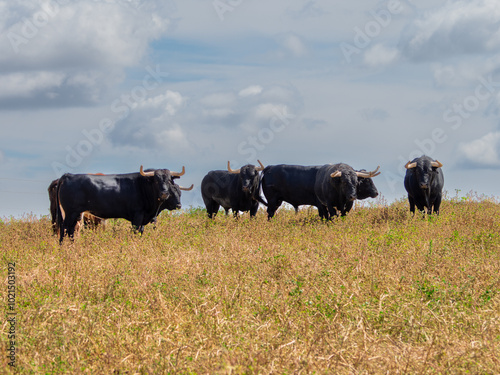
(277, 93)
(269, 110)
(173, 137)
(462, 74)
(174, 102)
(457, 28)
(95, 33)
(89, 43)
(380, 55)
(171, 102)
(199, 122)
(25, 84)
(218, 112)
(484, 151)
(295, 45)
(221, 99)
(251, 91)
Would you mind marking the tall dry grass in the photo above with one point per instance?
(378, 292)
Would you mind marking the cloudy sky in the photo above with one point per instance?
(105, 86)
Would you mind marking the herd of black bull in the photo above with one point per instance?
(140, 197)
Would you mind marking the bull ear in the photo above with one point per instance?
(336, 174)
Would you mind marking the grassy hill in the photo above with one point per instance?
(377, 292)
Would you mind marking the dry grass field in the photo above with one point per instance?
(377, 292)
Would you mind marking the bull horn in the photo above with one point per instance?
(368, 174)
(436, 164)
(261, 168)
(231, 170)
(178, 174)
(146, 174)
(336, 174)
(410, 165)
(185, 188)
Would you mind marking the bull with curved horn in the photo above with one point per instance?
(137, 197)
(235, 189)
(424, 182)
(337, 187)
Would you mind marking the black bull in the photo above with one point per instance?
(137, 197)
(424, 182)
(237, 190)
(337, 186)
(295, 184)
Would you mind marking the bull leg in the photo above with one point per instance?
(54, 226)
(332, 211)
(323, 212)
(138, 228)
(61, 229)
(411, 200)
(68, 226)
(420, 207)
(212, 208)
(347, 207)
(437, 203)
(137, 221)
(71, 227)
(254, 208)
